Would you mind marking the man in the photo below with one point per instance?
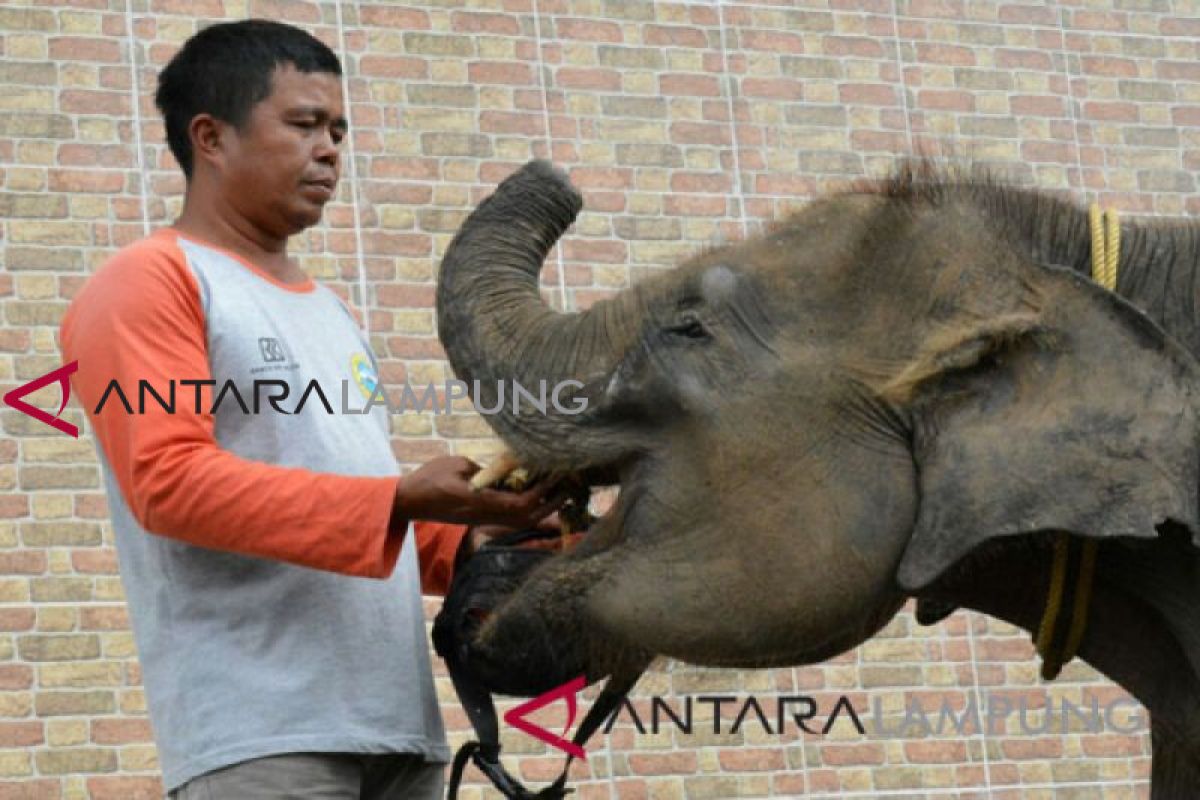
(273, 588)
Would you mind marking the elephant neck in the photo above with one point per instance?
(1160, 265)
(1143, 630)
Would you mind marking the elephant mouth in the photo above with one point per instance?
(541, 635)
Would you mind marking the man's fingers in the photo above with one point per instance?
(466, 467)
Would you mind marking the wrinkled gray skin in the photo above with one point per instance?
(894, 393)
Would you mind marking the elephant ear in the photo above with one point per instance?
(1080, 416)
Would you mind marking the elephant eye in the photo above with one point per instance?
(690, 327)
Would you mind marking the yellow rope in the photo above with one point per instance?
(1058, 575)
(1106, 247)
(1083, 596)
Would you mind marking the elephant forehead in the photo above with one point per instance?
(717, 284)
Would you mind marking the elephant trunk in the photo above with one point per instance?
(502, 339)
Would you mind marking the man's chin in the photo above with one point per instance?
(303, 219)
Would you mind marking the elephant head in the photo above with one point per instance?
(816, 423)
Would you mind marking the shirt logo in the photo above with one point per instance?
(271, 349)
(364, 374)
(59, 376)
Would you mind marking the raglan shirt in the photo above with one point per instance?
(272, 610)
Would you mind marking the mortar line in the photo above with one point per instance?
(363, 299)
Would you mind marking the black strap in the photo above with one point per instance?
(485, 753)
(609, 700)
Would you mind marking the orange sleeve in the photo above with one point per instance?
(437, 549)
(140, 318)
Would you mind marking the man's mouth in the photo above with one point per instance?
(324, 187)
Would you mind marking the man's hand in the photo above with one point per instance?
(440, 491)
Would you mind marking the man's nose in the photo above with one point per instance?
(327, 149)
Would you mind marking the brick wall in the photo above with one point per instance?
(684, 124)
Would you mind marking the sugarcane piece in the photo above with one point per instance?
(494, 472)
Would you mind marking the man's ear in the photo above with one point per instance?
(205, 132)
(1079, 417)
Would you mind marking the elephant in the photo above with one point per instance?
(906, 389)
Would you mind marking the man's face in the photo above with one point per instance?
(282, 167)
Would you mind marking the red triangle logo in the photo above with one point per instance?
(59, 376)
(516, 717)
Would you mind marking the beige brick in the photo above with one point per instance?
(58, 647)
(22, 98)
(74, 703)
(27, 19)
(89, 207)
(80, 759)
(133, 702)
(54, 618)
(442, 220)
(439, 119)
(25, 46)
(79, 76)
(630, 57)
(75, 787)
(60, 534)
(54, 449)
(35, 287)
(97, 130)
(73, 22)
(108, 589)
(448, 71)
(15, 764)
(138, 758)
(8, 538)
(43, 258)
(22, 179)
(434, 45)
(496, 49)
(36, 313)
(667, 789)
(61, 589)
(81, 675)
(14, 590)
(51, 506)
(118, 645)
(456, 144)
(66, 732)
(412, 425)
(15, 704)
(414, 322)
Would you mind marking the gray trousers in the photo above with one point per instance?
(320, 776)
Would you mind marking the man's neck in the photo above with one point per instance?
(266, 252)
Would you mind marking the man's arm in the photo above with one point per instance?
(141, 318)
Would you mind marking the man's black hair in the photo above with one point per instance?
(225, 69)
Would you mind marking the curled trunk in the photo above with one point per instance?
(499, 334)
